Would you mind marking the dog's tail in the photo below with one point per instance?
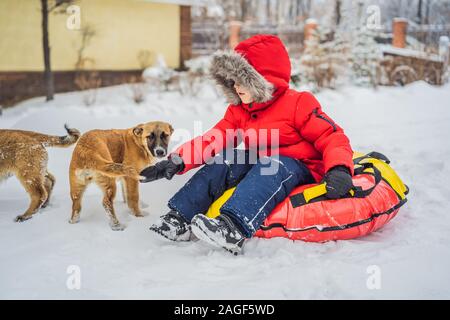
(60, 141)
(118, 170)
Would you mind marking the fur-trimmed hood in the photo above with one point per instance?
(260, 63)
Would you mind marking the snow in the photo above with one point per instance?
(199, 64)
(401, 20)
(183, 2)
(406, 52)
(411, 255)
(311, 21)
(158, 71)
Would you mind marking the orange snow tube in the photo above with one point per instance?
(308, 215)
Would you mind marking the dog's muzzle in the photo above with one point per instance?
(159, 152)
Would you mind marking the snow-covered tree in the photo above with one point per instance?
(324, 63)
(365, 58)
(364, 55)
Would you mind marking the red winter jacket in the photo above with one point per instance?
(261, 64)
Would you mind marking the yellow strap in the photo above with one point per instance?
(315, 192)
(318, 191)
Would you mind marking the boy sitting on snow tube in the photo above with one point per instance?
(308, 215)
(296, 143)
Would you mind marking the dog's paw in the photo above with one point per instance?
(118, 227)
(22, 218)
(141, 214)
(74, 220)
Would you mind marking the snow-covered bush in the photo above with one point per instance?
(190, 82)
(199, 65)
(296, 73)
(138, 90)
(196, 76)
(88, 81)
(324, 63)
(159, 76)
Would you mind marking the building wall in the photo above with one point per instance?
(185, 34)
(123, 29)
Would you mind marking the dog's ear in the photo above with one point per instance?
(138, 130)
(171, 129)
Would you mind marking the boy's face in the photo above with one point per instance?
(243, 93)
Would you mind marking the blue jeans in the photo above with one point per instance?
(260, 186)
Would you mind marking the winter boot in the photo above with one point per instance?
(220, 232)
(173, 227)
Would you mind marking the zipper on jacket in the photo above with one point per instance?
(316, 113)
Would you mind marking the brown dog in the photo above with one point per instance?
(23, 154)
(103, 156)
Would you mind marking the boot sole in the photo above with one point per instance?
(163, 235)
(197, 230)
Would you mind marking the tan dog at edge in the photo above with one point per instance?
(103, 156)
(23, 154)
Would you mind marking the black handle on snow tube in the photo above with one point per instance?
(373, 154)
(359, 192)
(379, 156)
(318, 192)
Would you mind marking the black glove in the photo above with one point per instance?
(339, 182)
(163, 169)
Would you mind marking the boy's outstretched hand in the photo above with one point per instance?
(163, 169)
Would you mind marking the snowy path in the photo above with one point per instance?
(410, 125)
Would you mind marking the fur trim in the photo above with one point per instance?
(230, 65)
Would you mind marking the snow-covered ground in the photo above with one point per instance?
(411, 255)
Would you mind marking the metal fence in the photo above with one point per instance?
(211, 36)
(208, 38)
(292, 36)
(422, 36)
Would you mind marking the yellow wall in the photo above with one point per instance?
(123, 27)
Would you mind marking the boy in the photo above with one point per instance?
(310, 147)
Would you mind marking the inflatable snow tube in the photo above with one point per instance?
(308, 215)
